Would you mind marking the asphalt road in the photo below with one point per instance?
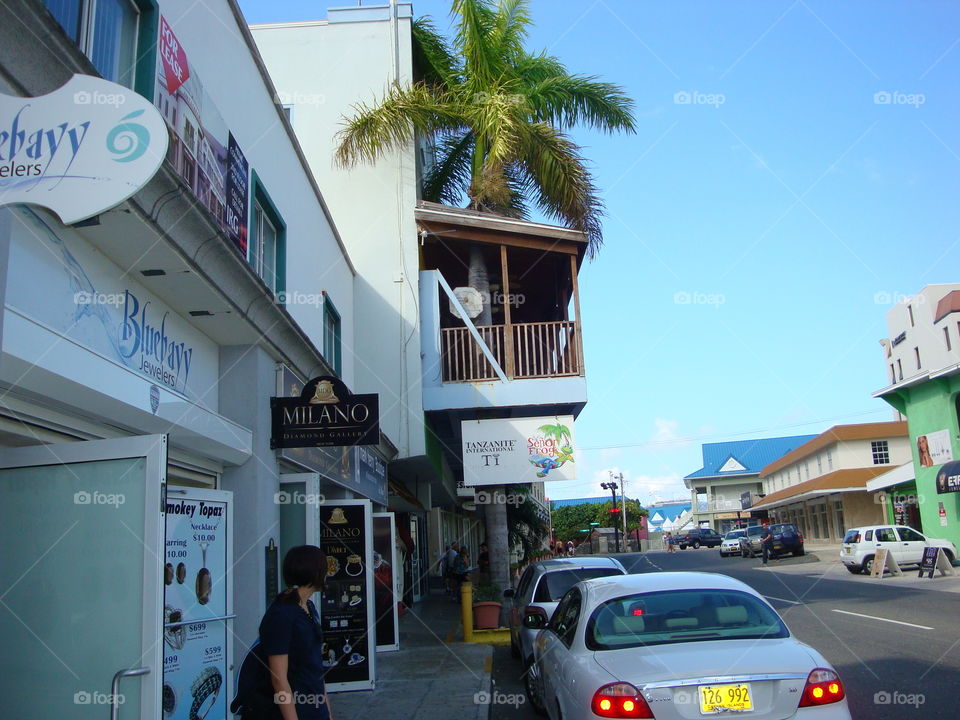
(897, 649)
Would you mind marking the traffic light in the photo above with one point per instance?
(614, 511)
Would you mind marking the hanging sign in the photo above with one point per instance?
(325, 414)
(948, 478)
(504, 452)
(79, 150)
(346, 536)
(196, 605)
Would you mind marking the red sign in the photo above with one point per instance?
(174, 59)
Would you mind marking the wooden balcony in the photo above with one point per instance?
(523, 350)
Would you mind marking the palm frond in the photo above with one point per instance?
(566, 100)
(482, 62)
(563, 187)
(450, 175)
(373, 130)
(432, 56)
(510, 27)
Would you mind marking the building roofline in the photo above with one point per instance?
(834, 435)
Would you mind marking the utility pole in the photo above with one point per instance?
(623, 503)
(612, 487)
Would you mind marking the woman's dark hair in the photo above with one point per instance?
(303, 565)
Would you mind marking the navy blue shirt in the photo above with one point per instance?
(286, 630)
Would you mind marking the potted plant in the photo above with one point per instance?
(486, 607)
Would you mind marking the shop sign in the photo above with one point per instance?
(948, 478)
(934, 448)
(746, 500)
(238, 195)
(346, 536)
(935, 560)
(510, 451)
(385, 575)
(325, 414)
(195, 605)
(79, 150)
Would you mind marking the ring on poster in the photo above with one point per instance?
(205, 690)
(181, 573)
(356, 659)
(168, 574)
(204, 532)
(333, 566)
(169, 700)
(175, 637)
(354, 565)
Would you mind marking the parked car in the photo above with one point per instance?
(787, 539)
(904, 543)
(731, 542)
(676, 645)
(540, 588)
(698, 536)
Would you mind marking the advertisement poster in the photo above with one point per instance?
(385, 576)
(238, 195)
(201, 136)
(506, 452)
(934, 448)
(347, 613)
(196, 645)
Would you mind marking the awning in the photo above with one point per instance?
(839, 481)
(897, 476)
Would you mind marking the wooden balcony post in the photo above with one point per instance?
(578, 333)
(507, 325)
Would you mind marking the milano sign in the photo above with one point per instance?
(79, 150)
(325, 414)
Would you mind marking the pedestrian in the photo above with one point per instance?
(452, 553)
(460, 571)
(766, 543)
(671, 542)
(444, 568)
(483, 565)
(570, 548)
(292, 639)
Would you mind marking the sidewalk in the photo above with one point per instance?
(434, 675)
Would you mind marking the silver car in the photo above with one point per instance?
(731, 542)
(677, 645)
(540, 588)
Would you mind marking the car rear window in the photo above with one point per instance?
(554, 585)
(677, 616)
(852, 536)
(784, 528)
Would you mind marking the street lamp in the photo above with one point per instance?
(612, 487)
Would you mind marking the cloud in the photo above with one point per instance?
(646, 488)
(666, 433)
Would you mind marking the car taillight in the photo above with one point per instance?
(823, 687)
(620, 700)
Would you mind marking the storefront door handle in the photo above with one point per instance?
(115, 688)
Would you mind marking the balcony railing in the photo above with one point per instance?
(523, 350)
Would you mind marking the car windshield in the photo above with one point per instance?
(554, 585)
(734, 534)
(677, 616)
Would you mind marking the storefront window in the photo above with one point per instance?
(840, 527)
(106, 32)
(815, 526)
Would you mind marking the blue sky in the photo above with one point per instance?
(794, 172)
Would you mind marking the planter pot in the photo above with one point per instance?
(486, 615)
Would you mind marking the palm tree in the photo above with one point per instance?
(497, 115)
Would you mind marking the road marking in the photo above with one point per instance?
(792, 602)
(874, 617)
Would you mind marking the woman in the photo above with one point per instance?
(291, 638)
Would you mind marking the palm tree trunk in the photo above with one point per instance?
(478, 277)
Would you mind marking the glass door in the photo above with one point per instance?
(81, 579)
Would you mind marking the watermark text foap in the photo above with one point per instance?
(695, 97)
(99, 298)
(295, 297)
(83, 497)
(484, 497)
(84, 697)
(699, 298)
(895, 97)
(299, 98)
(285, 497)
(892, 297)
(499, 698)
(300, 699)
(98, 98)
(898, 698)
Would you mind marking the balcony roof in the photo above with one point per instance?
(481, 226)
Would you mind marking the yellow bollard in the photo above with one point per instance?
(466, 610)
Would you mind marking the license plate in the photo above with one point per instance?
(719, 698)
(848, 550)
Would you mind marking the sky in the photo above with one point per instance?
(793, 175)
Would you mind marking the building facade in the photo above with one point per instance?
(821, 486)
(729, 480)
(922, 363)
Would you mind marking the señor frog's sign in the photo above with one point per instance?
(79, 150)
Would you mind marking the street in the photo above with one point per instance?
(894, 647)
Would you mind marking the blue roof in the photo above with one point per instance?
(667, 512)
(751, 455)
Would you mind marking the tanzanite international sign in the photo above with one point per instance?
(518, 450)
(325, 414)
(79, 150)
